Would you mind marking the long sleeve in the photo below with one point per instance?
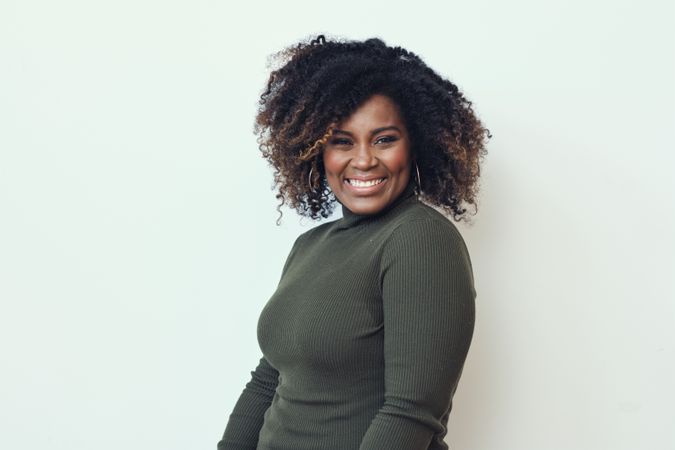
(428, 312)
(246, 418)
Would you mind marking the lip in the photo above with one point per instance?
(365, 190)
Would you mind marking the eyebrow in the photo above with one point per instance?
(375, 131)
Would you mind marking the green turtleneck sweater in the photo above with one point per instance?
(365, 337)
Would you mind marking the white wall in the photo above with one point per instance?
(137, 222)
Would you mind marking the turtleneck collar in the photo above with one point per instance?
(350, 219)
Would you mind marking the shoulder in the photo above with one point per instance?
(311, 233)
(424, 224)
(424, 234)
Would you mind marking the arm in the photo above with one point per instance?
(428, 306)
(247, 416)
(246, 419)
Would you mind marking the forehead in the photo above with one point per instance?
(376, 110)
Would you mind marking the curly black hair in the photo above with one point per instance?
(321, 82)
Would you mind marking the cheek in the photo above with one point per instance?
(332, 163)
(399, 161)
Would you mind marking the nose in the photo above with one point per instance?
(364, 158)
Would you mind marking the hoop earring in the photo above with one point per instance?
(310, 178)
(419, 181)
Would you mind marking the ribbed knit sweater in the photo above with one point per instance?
(364, 340)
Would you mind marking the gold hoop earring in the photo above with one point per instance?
(419, 181)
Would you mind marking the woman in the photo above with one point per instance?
(365, 337)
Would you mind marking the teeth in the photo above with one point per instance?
(360, 183)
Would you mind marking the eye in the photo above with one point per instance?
(387, 139)
(339, 141)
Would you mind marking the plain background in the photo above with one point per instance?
(138, 241)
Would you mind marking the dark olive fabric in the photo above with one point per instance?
(364, 339)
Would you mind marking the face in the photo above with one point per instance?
(367, 159)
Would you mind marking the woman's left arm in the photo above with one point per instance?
(429, 313)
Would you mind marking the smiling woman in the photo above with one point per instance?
(319, 87)
(364, 340)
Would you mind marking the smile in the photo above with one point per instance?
(359, 183)
(361, 188)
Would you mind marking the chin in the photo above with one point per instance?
(366, 206)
